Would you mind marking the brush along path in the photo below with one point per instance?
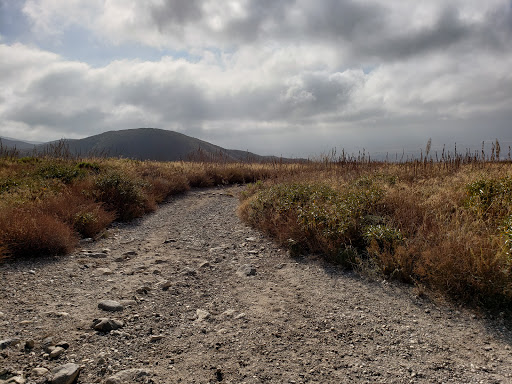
(205, 299)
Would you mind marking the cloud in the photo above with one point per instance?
(378, 29)
(266, 73)
(226, 97)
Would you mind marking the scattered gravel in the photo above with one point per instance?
(205, 299)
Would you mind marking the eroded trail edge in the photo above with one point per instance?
(206, 299)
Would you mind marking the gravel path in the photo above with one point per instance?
(205, 299)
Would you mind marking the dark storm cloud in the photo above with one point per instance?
(172, 13)
(366, 30)
(446, 31)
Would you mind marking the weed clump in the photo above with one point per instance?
(316, 217)
(64, 172)
(27, 232)
(121, 194)
(449, 231)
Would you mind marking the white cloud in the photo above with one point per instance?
(50, 94)
(266, 71)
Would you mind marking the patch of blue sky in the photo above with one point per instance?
(368, 68)
(13, 23)
(76, 43)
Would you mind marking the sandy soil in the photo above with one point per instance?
(207, 299)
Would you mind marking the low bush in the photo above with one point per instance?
(84, 215)
(121, 194)
(450, 233)
(63, 171)
(29, 232)
(316, 217)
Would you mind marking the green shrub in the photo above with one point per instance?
(317, 217)
(490, 198)
(89, 223)
(65, 172)
(384, 236)
(29, 160)
(121, 194)
(94, 167)
(8, 184)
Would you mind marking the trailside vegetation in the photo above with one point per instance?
(443, 224)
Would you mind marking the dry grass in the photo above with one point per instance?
(27, 232)
(45, 199)
(446, 226)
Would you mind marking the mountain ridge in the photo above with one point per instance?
(146, 144)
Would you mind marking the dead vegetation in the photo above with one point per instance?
(444, 223)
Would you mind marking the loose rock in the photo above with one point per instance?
(110, 305)
(154, 338)
(97, 255)
(143, 290)
(8, 342)
(246, 270)
(202, 314)
(106, 325)
(29, 344)
(14, 380)
(165, 285)
(104, 271)
(187, 271)
(39, 371)
(65, 374)
(56, 352)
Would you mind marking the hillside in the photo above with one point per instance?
(153, 144)
(19, 145)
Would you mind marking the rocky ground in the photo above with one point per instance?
(190, 294)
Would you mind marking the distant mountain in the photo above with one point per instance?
(152, 144)
(13, 143)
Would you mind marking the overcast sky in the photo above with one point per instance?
(283, 77)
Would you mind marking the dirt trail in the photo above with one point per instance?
(207, 299)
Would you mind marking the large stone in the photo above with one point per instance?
(39, 371)
(65, 374)
(106, 325)
(110, 305)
